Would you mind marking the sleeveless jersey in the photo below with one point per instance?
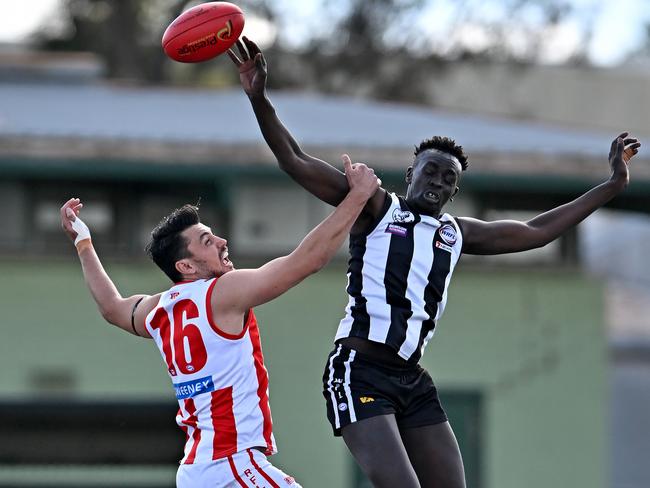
(220, 380)
(398, 276)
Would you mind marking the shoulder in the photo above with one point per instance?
(389, 201)
(468, 225)
(377, 210)
(450, 230)
(146, 305)
(142, 309)
(449, 219)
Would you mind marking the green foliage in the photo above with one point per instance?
(387, 49)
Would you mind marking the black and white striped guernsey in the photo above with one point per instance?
(398, 277)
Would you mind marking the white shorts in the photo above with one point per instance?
(245, 469)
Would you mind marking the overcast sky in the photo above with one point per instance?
(619, 25)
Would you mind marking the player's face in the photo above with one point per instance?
(208, 252)
(433, 180)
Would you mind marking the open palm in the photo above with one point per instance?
(251, 65)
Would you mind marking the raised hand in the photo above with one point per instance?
(251, 65)
(73, 226)
(622, 150)
(361, 178)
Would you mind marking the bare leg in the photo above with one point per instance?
(377, 446)
(434, 453)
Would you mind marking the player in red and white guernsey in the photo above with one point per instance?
(207, 333)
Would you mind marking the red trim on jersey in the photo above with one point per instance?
(191, 421)
(215, 327)
(183, 427)
(223, 423)
(160, 321)
(261, 471)
(262, 381)
(233, 468)
(151, 312)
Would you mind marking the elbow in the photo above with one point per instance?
(314, 265)
(284, 166)
(289, 162)
(109, 314)
(318, 262)
(540, 239)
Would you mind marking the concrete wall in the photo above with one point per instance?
(531, 342)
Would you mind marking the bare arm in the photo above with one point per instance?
(113, 307)
(318, 177)
(506, 236)
(239, 290)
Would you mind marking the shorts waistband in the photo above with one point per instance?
(378, 363)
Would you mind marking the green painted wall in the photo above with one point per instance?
(534, 343)
(531, 342)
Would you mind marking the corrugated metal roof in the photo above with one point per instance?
(215, 116)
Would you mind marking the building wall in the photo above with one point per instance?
(629, 421)
(581, 97)
(531, 342)
(534, 343)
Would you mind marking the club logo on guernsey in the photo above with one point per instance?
(403, 216)
(193, 388)
(448, 234)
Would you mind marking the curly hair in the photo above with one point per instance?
(444, 144)
(166, 245)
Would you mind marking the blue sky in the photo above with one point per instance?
(619, 25)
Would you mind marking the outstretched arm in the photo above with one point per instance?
(316, 176)
(506, 236)
(239, 290)
(113, 307)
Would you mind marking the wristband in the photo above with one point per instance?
(81, 229)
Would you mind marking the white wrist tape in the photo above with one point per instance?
(81, 229)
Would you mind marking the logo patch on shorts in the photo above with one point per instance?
(289, 480)
(397, 230)
(343, 407)
(365, 399)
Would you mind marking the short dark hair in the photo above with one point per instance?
(444, 144)
(167, 245)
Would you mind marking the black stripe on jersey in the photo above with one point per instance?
(434, 289)
(360, 318)
(398, 265)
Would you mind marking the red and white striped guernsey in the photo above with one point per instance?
(220, 380)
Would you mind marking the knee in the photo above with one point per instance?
(387, 475)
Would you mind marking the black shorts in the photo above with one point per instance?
(357, 387)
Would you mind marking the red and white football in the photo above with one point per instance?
(203, 32)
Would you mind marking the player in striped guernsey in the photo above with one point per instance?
(403, 251)
(207, 333)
